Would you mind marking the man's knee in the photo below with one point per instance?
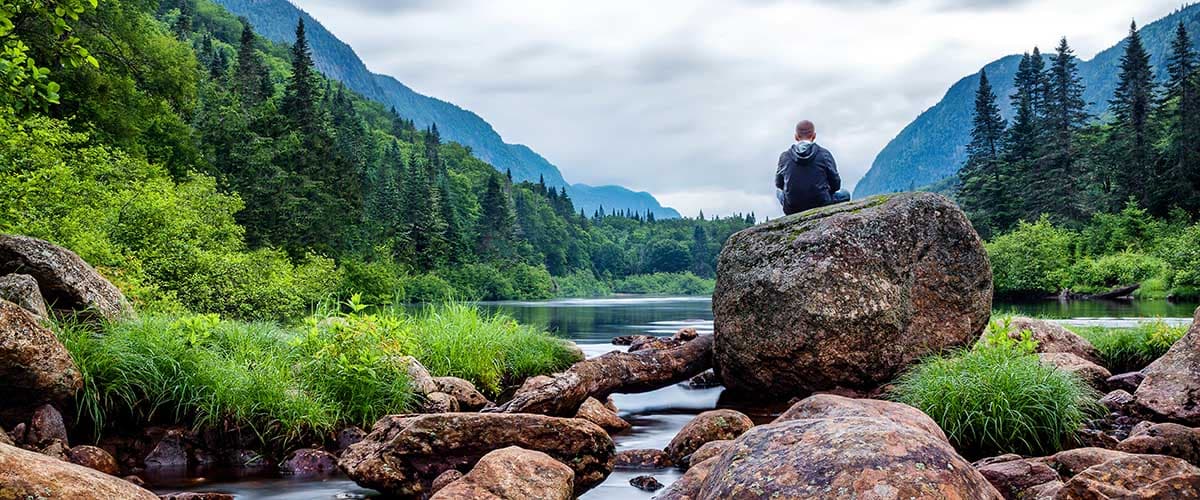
(841, 196)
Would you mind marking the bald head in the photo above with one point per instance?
(806, 131)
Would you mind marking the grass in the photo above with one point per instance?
(1131, 349)
(999, 398)
(287, 384)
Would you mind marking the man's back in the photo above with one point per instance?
(808, 176)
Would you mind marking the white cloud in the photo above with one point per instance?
(693, 100)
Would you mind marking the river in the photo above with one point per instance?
(656, 416)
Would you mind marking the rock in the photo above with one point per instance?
(1094, 438)
(134, 480)
(611, 405)
(444, 479)
(646, 483)
(65, 280)
(1072, 462)
(513, 474)
(1046, 491)
(56, 448)
(169, 453)
(848, 295)
(93, 458)
(1135, 477)
(25, 474)
(685, 334)
(35, 369)
(1053, 338)
(1118, 401)
(1127, 382)
(418, 377)
(18, 434)
(710, 449)
(630, 339)
(469, 399)
(843, 457)
(688, 487)
(1171, 389)
(705, 380)
(708, 426)
(575, 351)
(984, 462)
(439, 402)
(1087, 371)
(309, 462)
(829, 405)
(594, 411)
(45, 426)
(348, 436)
(1172, 440)
(403, 454)
(4, 437)
(22, 290)
(1012, 478)
(656, 343)
(642, 459)
(197, 496)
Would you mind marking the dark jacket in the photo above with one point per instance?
(808, 177)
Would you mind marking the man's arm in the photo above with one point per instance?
(835, 180)
(779, 171)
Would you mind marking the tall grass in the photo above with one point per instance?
(1131, 349)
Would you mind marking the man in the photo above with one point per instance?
(807, 176)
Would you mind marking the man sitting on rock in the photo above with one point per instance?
(807, 176)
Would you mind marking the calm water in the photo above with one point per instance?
(656, 416)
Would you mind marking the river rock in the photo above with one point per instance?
(1045, 491)
(1012, 478)
(35, 369)
(843, 457)
(1171, 389)
(439, 402)
(847, 296)
(444, 479)
(25, 474)
(1087, 371)
(1072, 462)
(93, 458)
(309, 462)
(1168, 439)
(646, 483)
(5, 438)
(594, 411)
(688, 487)
(655, 343)
(418, 377)
(1118, 401)
(403, 454)
(45, 426)
(708, 426)
(1053, 338)
(22, 290)
(1127, 382)
(1135, 477)
(348, 436)
(642, 459)
(513, 474)
(710, 449)
(469, 399)
(196, 496)
(170, 452)
(624, 340)
(65, 280)
(829, 406)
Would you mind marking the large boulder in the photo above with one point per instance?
(94, 458)
(688, 487)
(35, 369)
(1135, 477)
(1090, 373)
(513, 474)
(1052, 337)
(1173, 440)
(829, 406)
(22, 290)
(25, 474)
(404, 454)
(1171, 388)
(847, 296)
(65, 280)
(715, 425)
(843, 457)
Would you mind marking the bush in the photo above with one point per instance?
(1110, 271)
(581, 284)
(1032, 260)
(998, 398)
(379, 282)
(428, 289)
(665, 284)
(1131, 349)
(1132, 229)
(531, 282)
(479, 282)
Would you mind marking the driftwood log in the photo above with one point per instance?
(623, 372)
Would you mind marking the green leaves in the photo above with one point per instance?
(25, 84)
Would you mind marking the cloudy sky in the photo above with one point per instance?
(693, 100)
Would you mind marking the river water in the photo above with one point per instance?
(656, 416)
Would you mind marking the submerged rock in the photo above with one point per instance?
(1171, 389)
(708, 426)
(309, 462)
(22, 290)
(404, 454)
(646, 483)
(1135, 477)
(829, 406)
(25, 474)
(513, 474)
(35, 369)
(847, 296)
(65, 280)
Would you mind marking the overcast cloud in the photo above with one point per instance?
(693, 100)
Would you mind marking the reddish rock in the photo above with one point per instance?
(847, 296)
(1013, 478)
(646, 483)
(1118, 401)
(829, 405)
(1053, 338)
(348, 436)
(309, 462)
(708, 426)
(843, 457)
(656, 343)
(35, 369)
(710, 449)
(1072, 462)
(685, 334)
(688, 487)
(643, 459)
(1087, 371)
(513, 474)
(630, 339)
(93, 458)
(65, 280)
(22, 290)
(45, 426)
(1127, 382)
(1172, 440)
(56, 448)
(444, 479)
(439, 402)
(25, 474)
(705, 380)
(1171, 389)
(169, 452)
(197, 496)
(469, 399)
(1047, 491)
(1135, 477)
(419, 378)
(594, 411)
(404, 454)
(4, 437)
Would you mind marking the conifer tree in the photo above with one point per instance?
(1130, 139)
(984, 185)
(301, 95)
(251, 73)
(1058, 192)
(1181, 184)
(497, 222)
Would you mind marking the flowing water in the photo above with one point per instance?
(656, 416)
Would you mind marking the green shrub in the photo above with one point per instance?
(665, 284)
(427, 289)
(531, 282)
(379, 282)
(1130, 349)
(999, 398)
(1033, 259)
(1110, 271)
(581, 284)
(1132, 229)
(479, 282)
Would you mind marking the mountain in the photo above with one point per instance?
(933, 147)
(276, 20)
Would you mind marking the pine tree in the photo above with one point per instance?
(301, 95)
(984, 186)
(251, 73)
(1181, 183)
(497, 222)
(1130, 137)
(183, 24)
(1057, 190)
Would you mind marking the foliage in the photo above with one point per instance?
(665, 284)
(24, 26)
(998, 398)
(1131, 349)
(581, 284)
(1090, 275)
(1032, 259)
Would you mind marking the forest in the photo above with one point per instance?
(1086, 203)
(207, 169)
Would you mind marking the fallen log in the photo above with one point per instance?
(1118, 293)
(623, 372)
